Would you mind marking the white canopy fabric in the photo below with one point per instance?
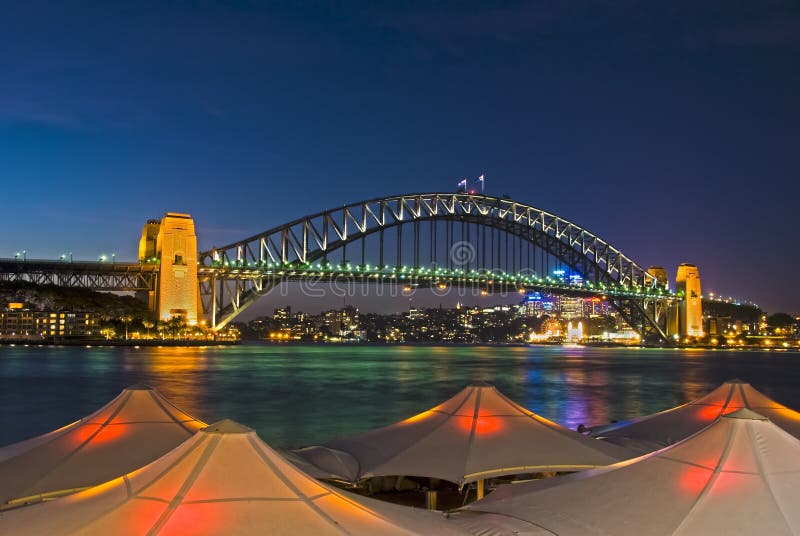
(337, 464)
(659, 430)
(223, 480)
(741, 475)
(477, 434)
(132, 430)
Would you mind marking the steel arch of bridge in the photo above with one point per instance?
(243, 265)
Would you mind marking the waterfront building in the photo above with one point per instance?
(20, 322)
(571, 308)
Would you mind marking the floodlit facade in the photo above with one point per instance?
(172, 243)
(690, 311)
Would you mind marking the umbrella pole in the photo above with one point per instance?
(481, 483)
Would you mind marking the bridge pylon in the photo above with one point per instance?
(172, 244)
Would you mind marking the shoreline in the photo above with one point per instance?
(100, 342)
(151, 343)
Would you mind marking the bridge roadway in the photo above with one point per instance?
(134, 276)
(96, 275)
(432, 278)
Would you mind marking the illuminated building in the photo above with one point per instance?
(532, 305)
(571, 307)
(17, 321)
(595, 307)
(575, 334)
(690, 310)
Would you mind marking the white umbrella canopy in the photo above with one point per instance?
(740, 475)
(477, 434)
(338, 465)
(652, 432)
(132, 430)
(223, 480)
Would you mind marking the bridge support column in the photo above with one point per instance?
(690, 310)
(172, 243)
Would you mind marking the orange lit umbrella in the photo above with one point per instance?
(223, 480)
(132, 430)
(652, 432)
(741, 475)
(477, 434)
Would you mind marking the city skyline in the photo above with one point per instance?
(673, 141)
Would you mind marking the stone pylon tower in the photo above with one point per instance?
(660, 274)
(690, 310)
(172, 243)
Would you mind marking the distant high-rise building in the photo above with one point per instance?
(690, 311)
(571, 307)
(532, 305)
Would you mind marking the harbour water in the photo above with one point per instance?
(297, 395)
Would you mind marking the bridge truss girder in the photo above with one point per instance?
(121, 277)
(310, 239)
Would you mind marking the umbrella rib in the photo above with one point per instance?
(509, 516)
(87, 441)
(753, 441)
(184, 489)
(129, 486)
(448, 416)
(171, 416)
(744, 397)
(475, 414)
(289, 484)
(727, 401)
(712, 479)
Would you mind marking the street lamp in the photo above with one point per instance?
(102, 258)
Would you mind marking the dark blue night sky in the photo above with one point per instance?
(668, 128)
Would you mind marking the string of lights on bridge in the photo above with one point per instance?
(403, 273)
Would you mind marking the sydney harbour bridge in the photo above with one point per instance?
(431, 240)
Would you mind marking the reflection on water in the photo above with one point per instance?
(299, 395)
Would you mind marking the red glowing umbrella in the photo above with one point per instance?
(223, 480)
(740, 475)
(477, 434)
(132, 430)
(652, 432)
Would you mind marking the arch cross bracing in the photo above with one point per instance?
(236, 275)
